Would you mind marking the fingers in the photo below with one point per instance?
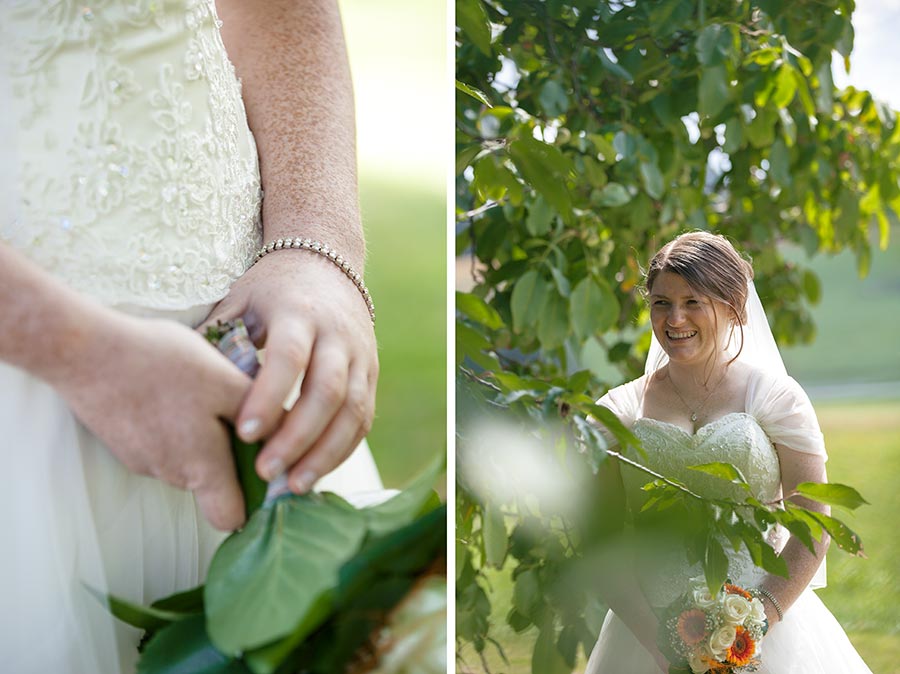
(287, 355)
(214, 482)
(333, 414)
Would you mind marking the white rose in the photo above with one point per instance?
(698, 660)
(757, 611)
(702, 598)
(720, 640)
(736, 609)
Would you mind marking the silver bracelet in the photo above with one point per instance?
(327, 252)
(771, 597)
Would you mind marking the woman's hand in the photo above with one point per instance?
(156, 393)
(314, 325)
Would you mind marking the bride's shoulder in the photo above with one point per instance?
(624, 399)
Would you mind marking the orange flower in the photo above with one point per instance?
(743, 648)
(692, 626)
(734, 589)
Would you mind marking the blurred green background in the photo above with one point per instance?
(398, 59)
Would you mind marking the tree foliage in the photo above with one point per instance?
(587, 135)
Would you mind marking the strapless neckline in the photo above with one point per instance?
(708, 426)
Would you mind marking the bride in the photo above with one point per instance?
(132, 212)
(715, 389)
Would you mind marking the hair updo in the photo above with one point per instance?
(710, 265)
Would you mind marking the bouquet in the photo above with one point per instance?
(722, 633)
(310, 584)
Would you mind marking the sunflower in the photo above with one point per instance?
(692, 626)
(741, 651)
(734, 589)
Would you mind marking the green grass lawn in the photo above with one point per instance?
(396, 50)
(406, 275)
(863, 441)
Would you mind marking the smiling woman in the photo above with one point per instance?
(705, 399)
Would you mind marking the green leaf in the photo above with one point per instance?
(187, 602)
(612, 195)
(785, 86)
(553, 99)
(528, 299)
(416, 499)
(594, 441)
(527, 598)
(553, 322)
(185, 648)
(495, 536)
(473, 345)
(715, 565)
(539, 218)
(253, 486)
(143, 617)
(477, 94)
(473, 21)
(478, 310)
(832, 493)
(562, 283)
(713, 44)
(545, 168)
(714, 91)
(780, 164)
(546, 658)
(652, 179)
(465, 155)
(724, 471)
(594, 307)
(614, 67)
(265, 579)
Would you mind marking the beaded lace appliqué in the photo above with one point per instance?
(735, 438)
(139, 178)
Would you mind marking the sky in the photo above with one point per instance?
(875, 59)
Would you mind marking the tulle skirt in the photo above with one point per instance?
(73, 518)
(808, 641)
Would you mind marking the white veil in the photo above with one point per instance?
(758, 349)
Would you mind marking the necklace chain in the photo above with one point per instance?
(694, 412)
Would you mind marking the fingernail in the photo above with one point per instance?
(273, 468)
(305, 482)
(248, 429)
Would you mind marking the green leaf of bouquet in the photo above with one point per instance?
(405, 551)
(185, 648)
(253, 486)
(137, 615)
(725, 471)
(187, 602)
(832, 493)
(264, 579)
(415, 500)
(477, 94)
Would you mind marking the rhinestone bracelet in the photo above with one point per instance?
(761, 591)
(327, 252)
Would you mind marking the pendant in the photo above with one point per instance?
(694, 417)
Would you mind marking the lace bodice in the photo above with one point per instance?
(138, 180)
(735, 438)
(777, 411)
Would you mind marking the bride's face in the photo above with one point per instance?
(689, 326)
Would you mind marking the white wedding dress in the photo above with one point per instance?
(130, 173)
(809, 640)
